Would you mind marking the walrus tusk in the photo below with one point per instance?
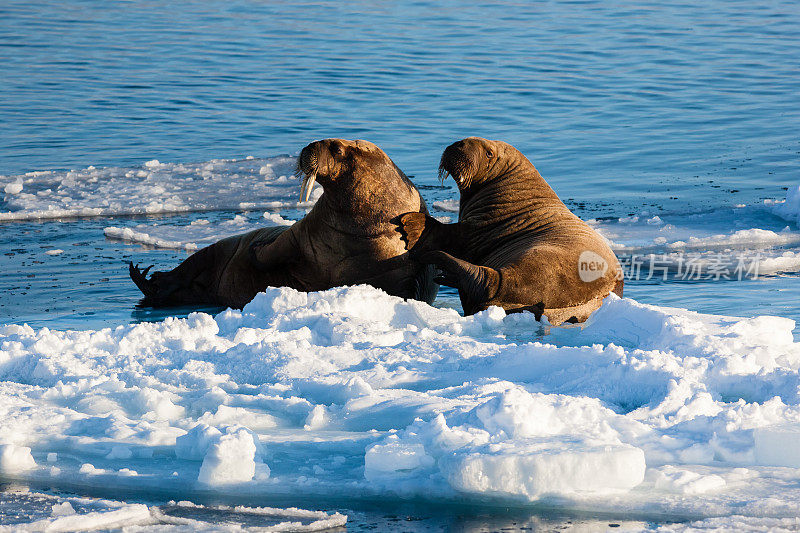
(308, 184)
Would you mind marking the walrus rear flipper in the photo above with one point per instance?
(476, 285)
(139, 277)
(162, 289)
(190, 283)
(425, 286)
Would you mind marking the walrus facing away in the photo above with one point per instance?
(516, 245)
(349, 237)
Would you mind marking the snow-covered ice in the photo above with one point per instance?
(788, 209)
(752, 239)
(14, 459)
(154, 187)
(352, 389)
(196, 234)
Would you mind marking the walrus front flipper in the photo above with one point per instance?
(271, 252)
(422, 233)
(476, 285)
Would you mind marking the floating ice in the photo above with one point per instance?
(67, 514)
(732, 243)
(789, 209)
(15, 187)
(450, 205)
(194, 235)
(230, 459)
(219, 184)
(683, 481)
(557, 468)
(642, 409)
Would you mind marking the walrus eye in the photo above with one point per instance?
(336, 150)
(489, 154)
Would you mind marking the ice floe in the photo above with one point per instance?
(54, 513)
(739, 242)
(788, 209)
(196, 234)
(154, 187)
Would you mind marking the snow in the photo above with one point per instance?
(229, 459)
(15, 459)
(352, 389)
(154, 187)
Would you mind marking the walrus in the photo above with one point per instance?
(515, 245)
(349, 237)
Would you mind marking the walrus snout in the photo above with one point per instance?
(323, 161)
(458, 161)
(307, 162)
(307, 168)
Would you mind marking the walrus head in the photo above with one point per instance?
(474, 160)
(332, 161)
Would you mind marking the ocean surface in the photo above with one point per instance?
(674, 129)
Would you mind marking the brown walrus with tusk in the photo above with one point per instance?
(348, 238)
(516, 245)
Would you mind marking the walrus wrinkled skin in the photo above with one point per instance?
(349, 237)
(516, 245)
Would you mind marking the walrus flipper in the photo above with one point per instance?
(476, 284)
(425, 286)
(189, 283)
(155, 294)
(271, 252)
(422, 233)
(139, 277)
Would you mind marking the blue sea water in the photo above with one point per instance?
(624, 107)
(619, 103)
